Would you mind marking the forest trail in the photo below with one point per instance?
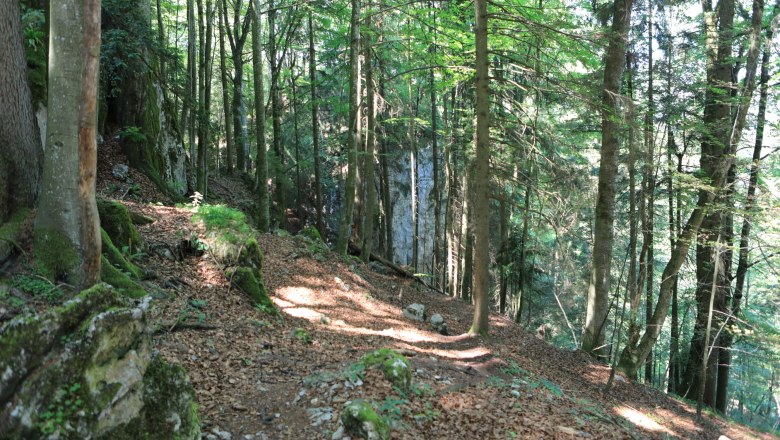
(289, 376)
(259, 376)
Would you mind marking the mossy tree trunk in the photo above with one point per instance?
(67, 230)
(21, 154)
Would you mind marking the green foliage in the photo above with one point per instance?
(38, 287)
(64, 407)
(133, 134)
(302, 335)
(221, 217)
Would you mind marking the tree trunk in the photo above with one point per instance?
(192, 78)
(369, 177)
(204, 98)
(21, 154)
(315, 131)
(649, 189)
(276, 113)
(435, 156)
(225, 92)
(724, 363)
(67, 228)
(261, 159)
(598, 290)
(345, 224)
(482, 177)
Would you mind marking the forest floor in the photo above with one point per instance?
(259, 376)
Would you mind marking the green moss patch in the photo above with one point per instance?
(120, 280)
(11, 231)
(55, 254)
(115, 257)
(395, 367)
(115, 219)
(244, 279)
(361, 420)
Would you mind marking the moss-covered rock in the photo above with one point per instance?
(115, 219)
(244, 279)
(115, 257)
(120, 280)
(395, 367)
(311, 233)
(11, 230)
(361, 420)
(140, 219)
(85, 370)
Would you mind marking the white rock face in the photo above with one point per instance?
(415, 312)
(171, 148)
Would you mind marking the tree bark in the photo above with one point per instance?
(315, 130)
(482, 178)
(370, 159)
(598, 289)
(67, 228)
(724, 363)
(225, 92)
(345, 224)
(21, 155)
(261, 158)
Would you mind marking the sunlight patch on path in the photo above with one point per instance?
(642, 420)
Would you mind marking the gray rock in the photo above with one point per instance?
(339, 434)
(437, 320)
(415, 312)
(120, 172)
(320, 415)
(379, 268)
(122, 389)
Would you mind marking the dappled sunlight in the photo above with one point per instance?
(642, 421)
(461, 355)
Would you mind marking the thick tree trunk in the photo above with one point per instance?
(21, 155)
(345, 224)
(598, 290)
(67, 228)
(192, 78)
(261, 158)
(482, 178)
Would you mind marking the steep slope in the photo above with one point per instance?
(261, 376)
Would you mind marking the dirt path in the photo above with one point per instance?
(256, 377)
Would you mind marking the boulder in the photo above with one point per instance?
(86, 370)
(415, 312)
(360, 420)
(438, 324)
(395, 367)
(120, 172)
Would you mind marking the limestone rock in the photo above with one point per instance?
(415, 312)
(85, 370)
(120, 172)
(438, 324)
